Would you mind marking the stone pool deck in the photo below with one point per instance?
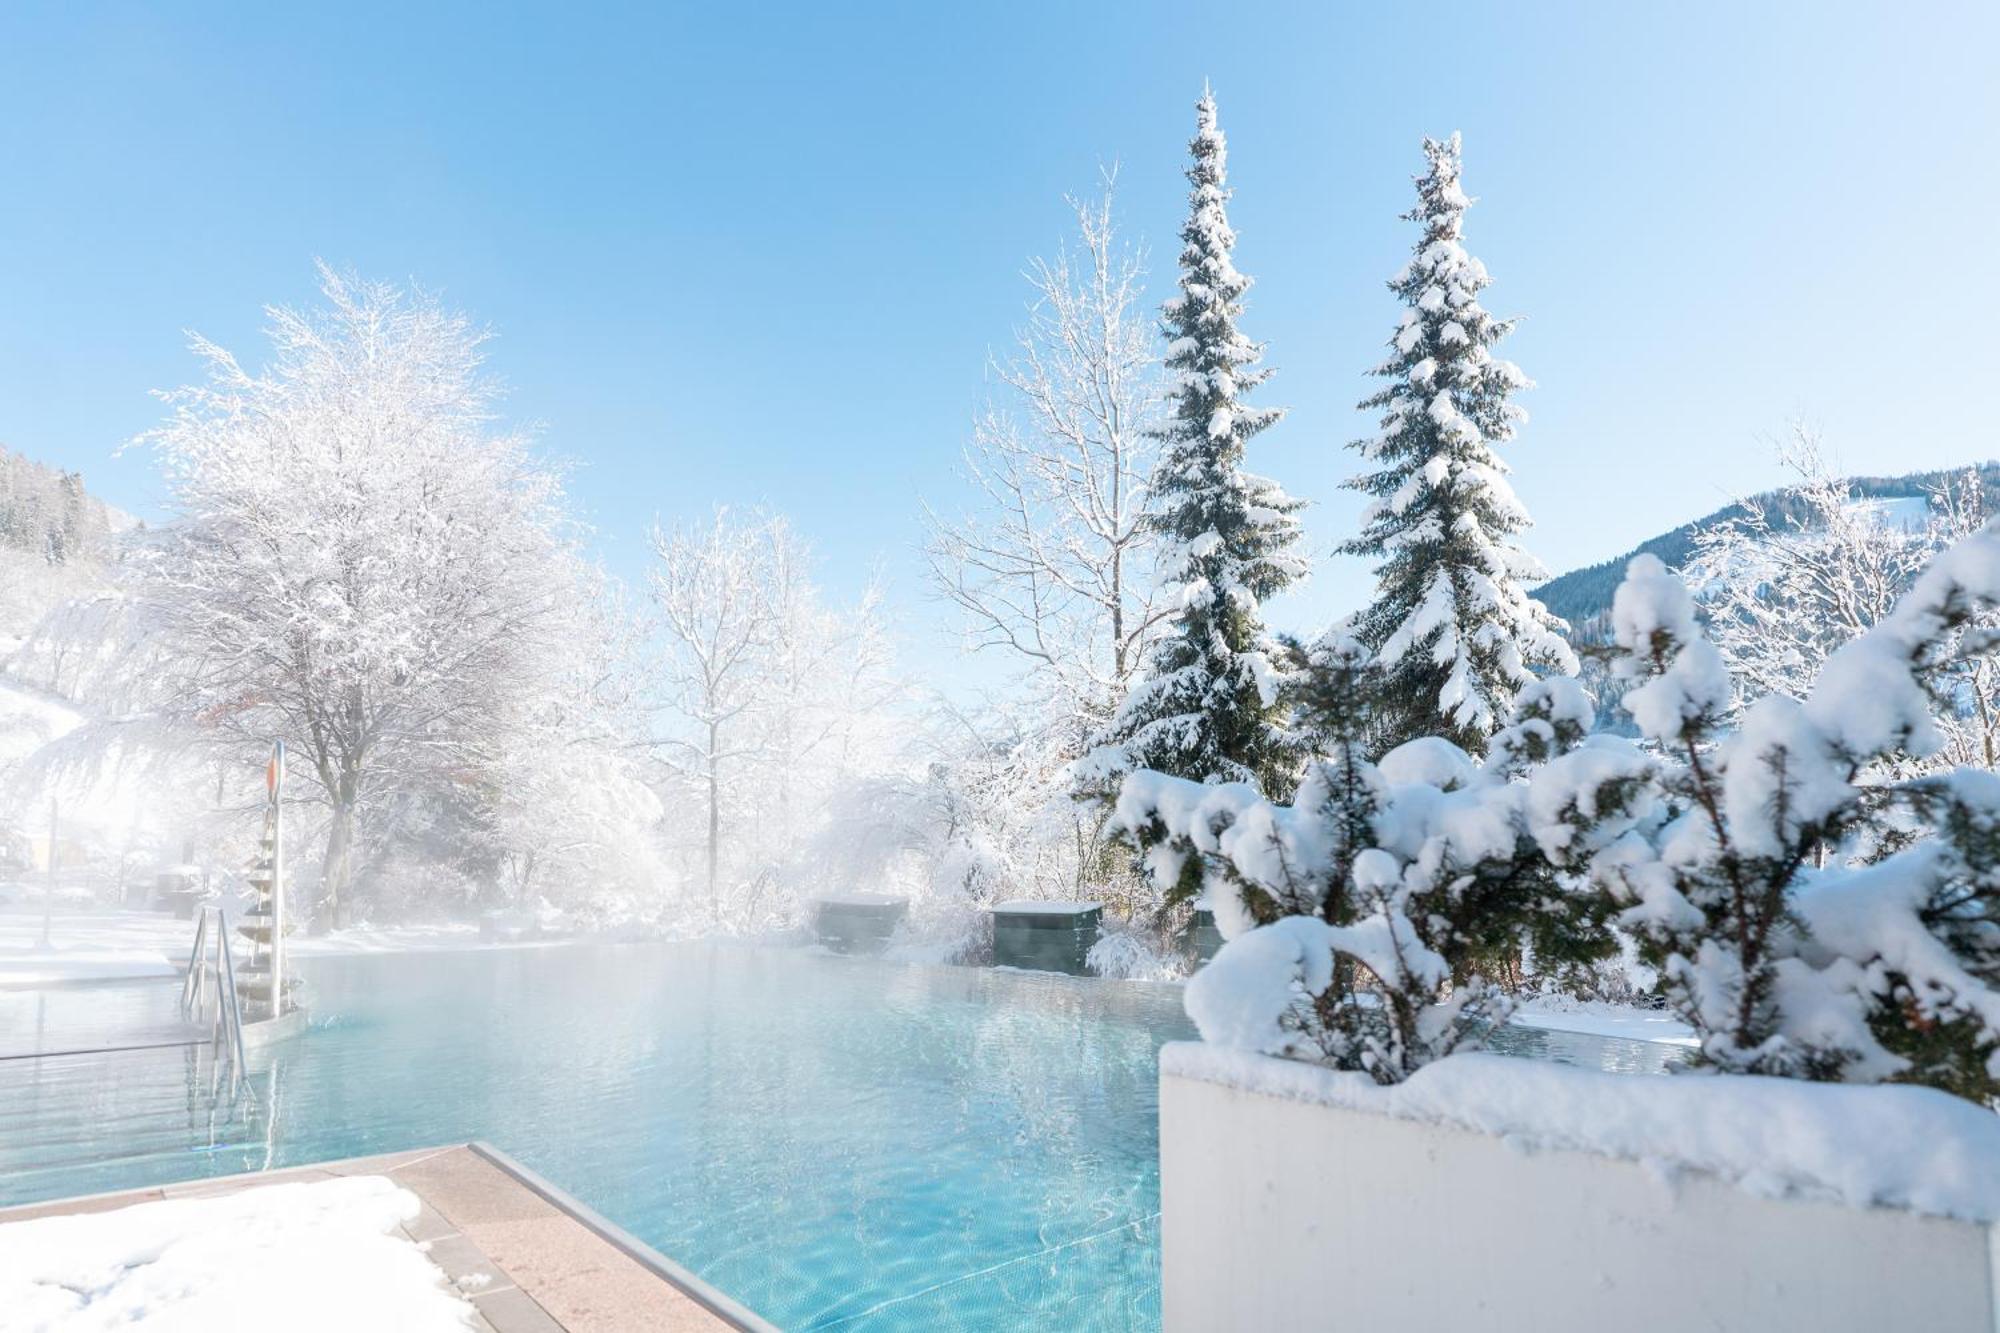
(530, 1258)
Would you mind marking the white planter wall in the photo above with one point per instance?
(1286, 1215)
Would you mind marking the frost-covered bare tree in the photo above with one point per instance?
(1970, 684)
(711, 589)
(1054, 565)
(364, 564)
(568, 808)
(827, 681)
(764, 687)
(1790, 580)
(1783, 587)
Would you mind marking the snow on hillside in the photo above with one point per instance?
(1582, 593)
(30, 719)
(1905, 513)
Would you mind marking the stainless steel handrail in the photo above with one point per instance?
(215, 974)
(240, 1063)
(191, 985)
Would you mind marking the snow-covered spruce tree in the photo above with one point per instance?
(1452, 627)
(1356, 916)
(1740, 859)
(1208, 707)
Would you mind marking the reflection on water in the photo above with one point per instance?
(835, 1142)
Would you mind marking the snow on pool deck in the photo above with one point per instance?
(450, 1238)
(326, 1255)
(89, 945)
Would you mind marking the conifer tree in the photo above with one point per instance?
(1208, 708)
(1453, 631)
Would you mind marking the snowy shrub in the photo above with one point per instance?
(1134, 954)
(939, 840)
(1739, 856)
(1356, 916)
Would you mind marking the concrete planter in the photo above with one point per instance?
(1280, 1213)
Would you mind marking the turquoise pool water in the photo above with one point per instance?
(837, 1143)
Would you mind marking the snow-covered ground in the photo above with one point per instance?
(303, 1258)
(1601, 1018)
(30, 718)
(88, 945)
(121, 944)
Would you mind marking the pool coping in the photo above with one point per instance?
(479, 1223)
(718, 1303)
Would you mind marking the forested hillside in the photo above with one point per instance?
(1584, 593)
(46, 511)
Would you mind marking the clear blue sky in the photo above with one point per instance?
(759, 254)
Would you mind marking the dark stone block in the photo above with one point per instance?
(861, 923)
(1201, 939)
(1047, 937)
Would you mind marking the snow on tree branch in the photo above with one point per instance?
(1451, 623)
(1811, 918)
(1208, 704)
(362, 563)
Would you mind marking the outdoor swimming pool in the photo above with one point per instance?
(834, 1142)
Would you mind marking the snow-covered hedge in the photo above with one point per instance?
(1810, 917)
(1356, 917)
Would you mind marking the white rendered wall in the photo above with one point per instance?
(1285, 1215)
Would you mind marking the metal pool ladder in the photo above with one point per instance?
(208, 995)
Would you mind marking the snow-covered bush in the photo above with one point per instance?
(1740, 857)
(1812, 911)
(1357, 916)
(1133, 953)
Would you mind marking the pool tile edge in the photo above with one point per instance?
(718, 1303)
